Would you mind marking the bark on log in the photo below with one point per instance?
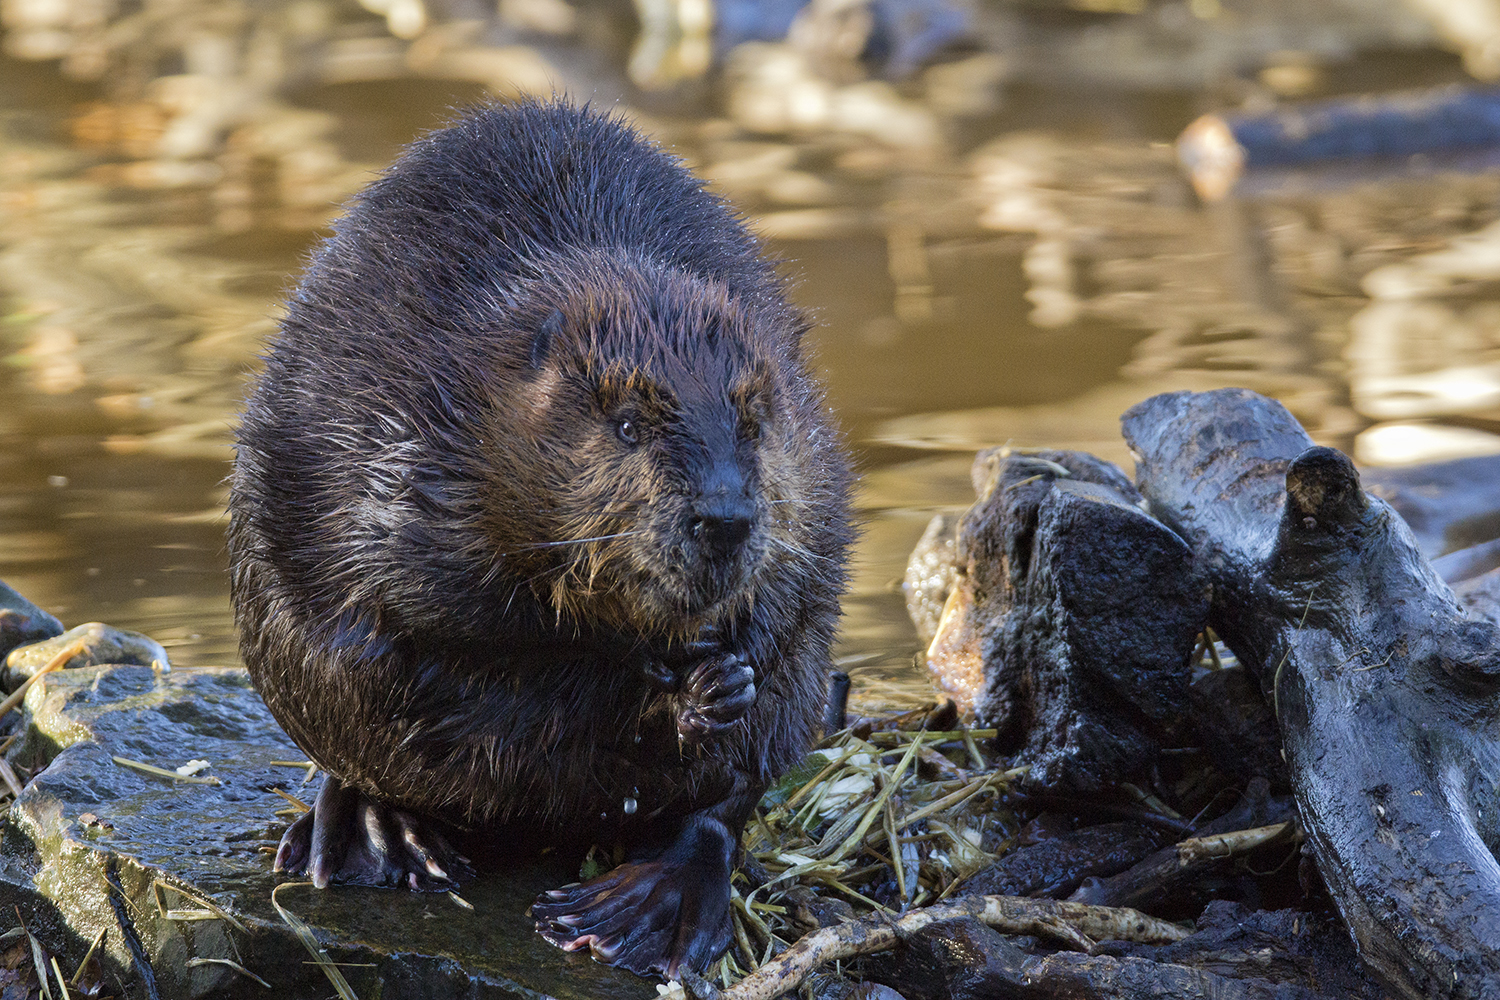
(1386, 690)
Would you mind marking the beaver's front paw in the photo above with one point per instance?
(716, 695)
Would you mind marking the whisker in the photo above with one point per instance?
(571, 541)
(797, 550)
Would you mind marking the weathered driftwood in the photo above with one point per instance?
(1053, 867)
(1449, 506)
(1088, 610)
(1235, 954)
(1386, 690)
(1071, 925)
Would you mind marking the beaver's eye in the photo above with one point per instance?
(626, 431)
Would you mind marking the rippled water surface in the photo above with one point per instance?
(1024, 277)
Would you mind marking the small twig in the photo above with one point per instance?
(312, 768)
(301, 806)
(57, 662)
(216, 912)
(98, 940)
(8, 773)
(61, 985)
(1226, 845)
(873, 810)
(161, 772)
(952, 800)
(310, 942)
(38, 962)
(1213, 648)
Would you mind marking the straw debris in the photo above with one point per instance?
(870, 824)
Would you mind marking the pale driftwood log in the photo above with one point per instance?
(1386, 690)
(1074, 925)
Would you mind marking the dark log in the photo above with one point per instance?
(1054, 867)
(1146, 885)
(1216, 149)
(1280, 946)
(1386, 690)
(1235, 725)
(1088, 614)
(965, 960)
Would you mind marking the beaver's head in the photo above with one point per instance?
(645, 446)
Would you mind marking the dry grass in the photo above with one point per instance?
(883, 821)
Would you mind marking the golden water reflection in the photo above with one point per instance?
(990, 261)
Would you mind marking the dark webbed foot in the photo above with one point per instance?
(717, 693)
(659, 914)
(349, 837)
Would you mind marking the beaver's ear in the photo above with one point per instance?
(541, 344)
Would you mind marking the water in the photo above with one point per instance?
(1024, 280)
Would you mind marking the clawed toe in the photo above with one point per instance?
(350, 838)
(649, 916)
(717, 695)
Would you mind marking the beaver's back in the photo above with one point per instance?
(498, 190)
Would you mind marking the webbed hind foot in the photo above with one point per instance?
(655, 915)
(348, 837)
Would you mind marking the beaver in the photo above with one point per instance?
(539, 520)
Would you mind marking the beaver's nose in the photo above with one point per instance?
(721, 523)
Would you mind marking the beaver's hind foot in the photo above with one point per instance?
(349, 837)
(660, 914)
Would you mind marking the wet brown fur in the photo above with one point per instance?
(447, 560)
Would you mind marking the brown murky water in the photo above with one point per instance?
(1024, 279)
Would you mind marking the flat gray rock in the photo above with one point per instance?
(93, 844)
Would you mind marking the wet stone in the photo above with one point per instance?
(96, 643)
(22, 622)
(96, 844)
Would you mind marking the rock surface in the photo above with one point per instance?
(91, 643)
(95, 844)
(22, 622)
